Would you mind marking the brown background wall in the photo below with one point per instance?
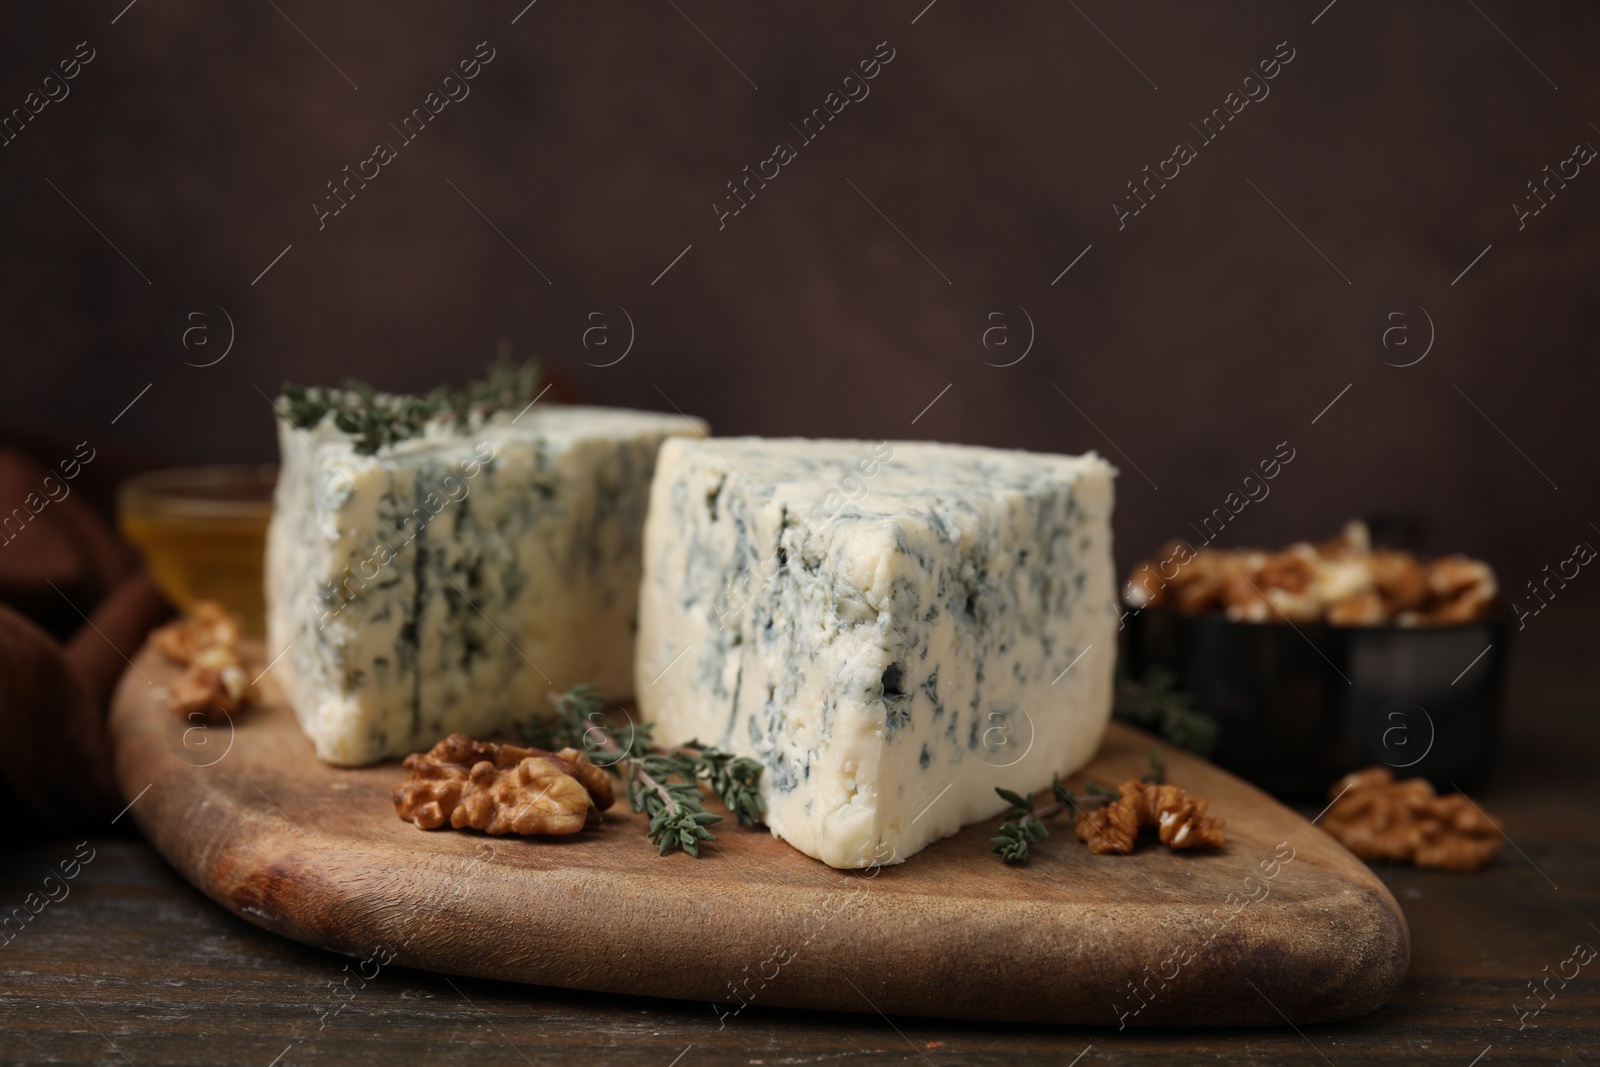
(1196, 338)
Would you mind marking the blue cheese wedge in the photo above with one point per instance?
(892, 629)
(449, 581)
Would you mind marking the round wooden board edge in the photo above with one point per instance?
(246, 872)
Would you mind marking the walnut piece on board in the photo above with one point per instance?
(215, 683)
(208, 625)
(1180, 820)
(501, 789)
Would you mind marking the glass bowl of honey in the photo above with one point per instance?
(203, 533)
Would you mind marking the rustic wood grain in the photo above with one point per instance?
(136, 963)
(317, 854)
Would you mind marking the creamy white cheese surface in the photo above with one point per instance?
(451, 580)
(893, 629)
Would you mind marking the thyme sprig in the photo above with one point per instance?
(663, 784)
(580, 722)
(377, 419)
(734, 779)
(664, 788)
(1024, 826)
(1158, 768)
(1155, 703)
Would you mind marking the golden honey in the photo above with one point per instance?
(203, 531)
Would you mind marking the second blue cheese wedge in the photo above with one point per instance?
(892, 629)
(446, 582)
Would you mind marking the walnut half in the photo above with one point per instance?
(215, 683)
(1378, 818)
(207, 625)
(1180, 820)
(501, 789)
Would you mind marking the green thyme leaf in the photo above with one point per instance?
(1158, 769)
(664, 785)
(1016, 800)
(1156, 704)
(1015, 838)
(376, 420)
(732, 778)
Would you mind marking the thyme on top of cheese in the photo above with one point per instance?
(665, 785)
(377, 419)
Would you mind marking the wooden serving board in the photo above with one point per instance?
(1247, 936)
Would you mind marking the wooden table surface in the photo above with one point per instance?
(134, 966)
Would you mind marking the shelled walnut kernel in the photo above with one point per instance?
(1343, 581)
(1180, 820)
(1378, 818)
(501, 789)
(215, 682)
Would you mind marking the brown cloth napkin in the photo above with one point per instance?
(73, 607)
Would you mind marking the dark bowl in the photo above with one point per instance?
(1299, 706)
